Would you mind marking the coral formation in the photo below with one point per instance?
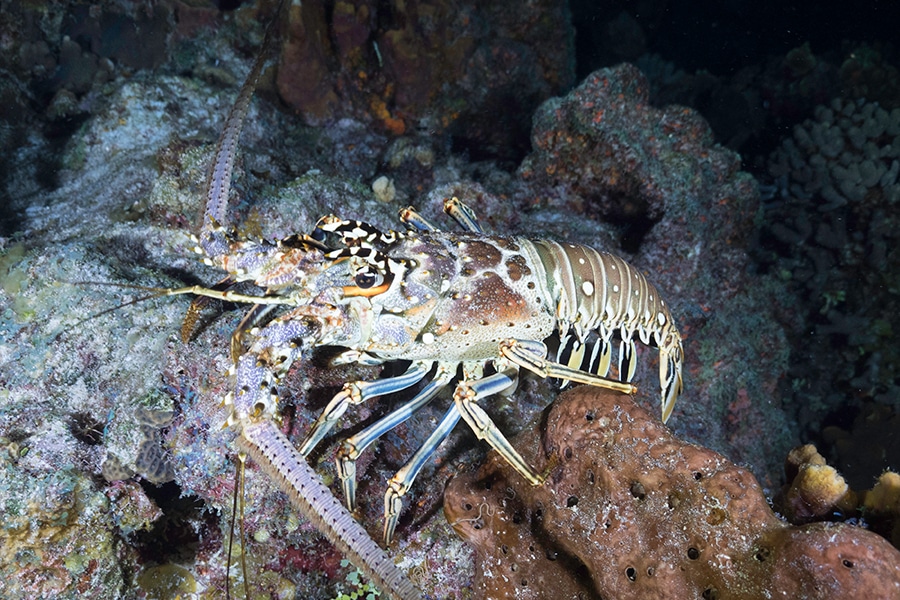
(603, 151)
(396, 68)
(814, 489)
(131, 186)
(646, 515)
(831, 234)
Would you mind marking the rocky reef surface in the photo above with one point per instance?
(115, 473)
(630, 511)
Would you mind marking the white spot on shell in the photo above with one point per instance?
(427, 338)
(588, 288)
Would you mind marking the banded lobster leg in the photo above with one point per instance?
(529, 355)
(358, 392)
(468, 392)
(400, 483)
(354, 446)
(403, 479)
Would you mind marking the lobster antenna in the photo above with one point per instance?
(158, 292)
(239, 489)
(243, 466)
(155, 292)
(218, 187)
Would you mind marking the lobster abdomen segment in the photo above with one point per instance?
(599, 291)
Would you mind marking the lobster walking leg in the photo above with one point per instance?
(466, 397)
(352, 447)
(529, 355)
(358, 392)
(403, 479)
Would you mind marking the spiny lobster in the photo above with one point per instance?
(447, 302)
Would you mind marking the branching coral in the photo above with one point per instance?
(647, 516)
(831, 232)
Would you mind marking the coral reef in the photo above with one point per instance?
(130, 182)
(831, 233)
(604, 152)
(130, 185)
(397, 69)
(815, 491)
(109, 113)
(630, 511)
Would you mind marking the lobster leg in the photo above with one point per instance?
(400, 483)
(355, 445)
(466, 397)
(532, 356)
(358, 392)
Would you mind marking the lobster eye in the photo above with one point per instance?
(366, 279)
(318, 234)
